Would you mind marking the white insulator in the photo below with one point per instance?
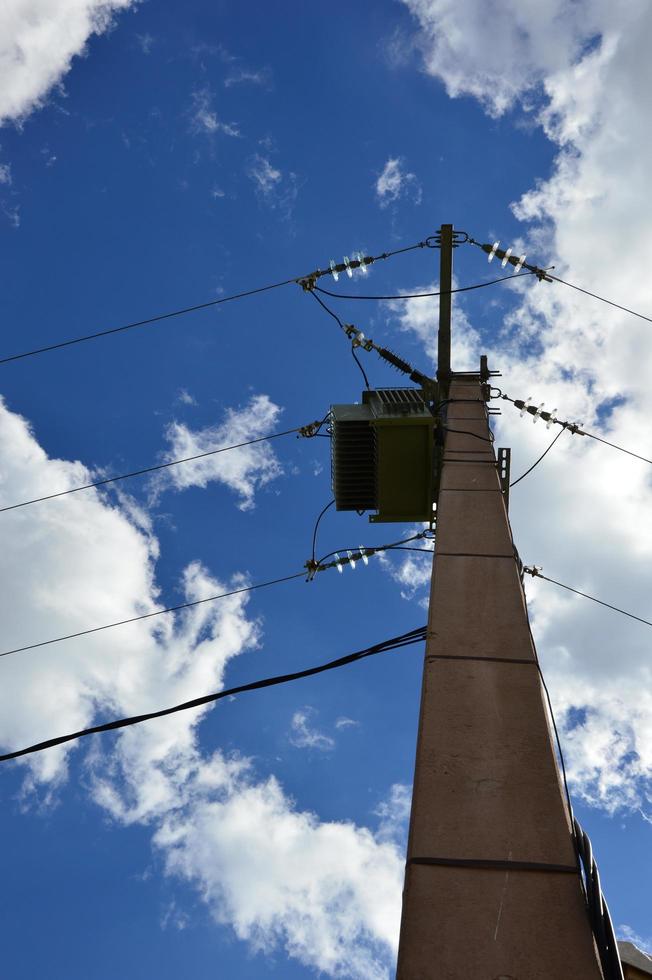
(334, 272)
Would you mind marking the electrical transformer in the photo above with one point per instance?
(383, 455)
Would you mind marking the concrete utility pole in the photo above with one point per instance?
(492, 889)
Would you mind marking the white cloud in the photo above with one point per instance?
(628, 934)
(243, 76)
(38, 41)
(303, 736)
(394, 814)
(146, 42)
(185, 397)
(582, 72)
(346, 723)
(328, 893)
(420, 317)
(394, 182)
(5, 173)
(265, 177)
(243, 470)
(276, 189)
(500, 53)
(204, 119)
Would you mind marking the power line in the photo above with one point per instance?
(602, 299)
(313, 276)
(158, 612)
(162, 466)
(542, 456)
(311, 567)
(396, 643)
(444, 292)
(573, 427)
(546, 274)
(536, 573)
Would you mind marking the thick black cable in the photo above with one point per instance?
(343, 328)
(362, 370)
(466, 432)
(602, 299)
(396, 643)
(148, 469)
(445, 292)
(195, 308)
(328, 310)
(542, 456)
(317, 522)
(158, 612)
(600, 602)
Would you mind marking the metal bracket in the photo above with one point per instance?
(504, 463)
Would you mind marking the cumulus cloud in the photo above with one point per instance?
(243, 470)
(328, 893)
(394, 183)
(38, 41)
(581, 71)
(306, 736)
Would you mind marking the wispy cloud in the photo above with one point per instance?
(204, 118)
(394, 182)
(304, 736)
(244, 76)
(276, 189)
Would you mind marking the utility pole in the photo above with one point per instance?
(492, 886)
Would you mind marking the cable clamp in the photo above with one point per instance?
(312, 567)
(309, 282)
(310, 430)
(357, 337)
(533, 570)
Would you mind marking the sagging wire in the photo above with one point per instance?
(395, 643)
(441, 292)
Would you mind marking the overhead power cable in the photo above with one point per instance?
(395, 643)
(445, 292)
(550, 419)
(308, 431)
(546, 274)
(313, 276)
(537, 573)
(321, 566)
(151, 615)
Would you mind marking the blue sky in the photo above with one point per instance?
(183, 152)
